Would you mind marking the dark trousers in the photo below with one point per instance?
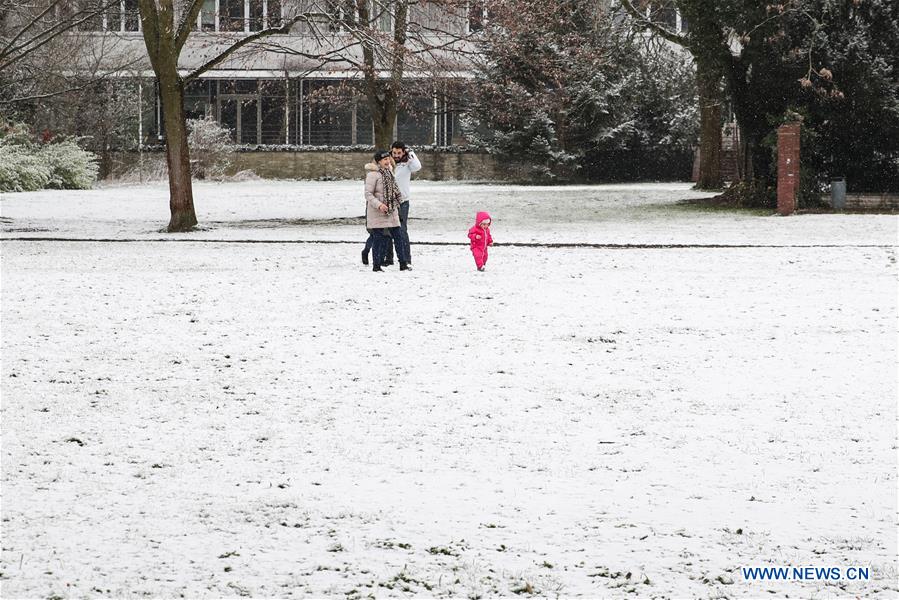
(369, 244)
(381, 244)
(404, 217)
(404, 235)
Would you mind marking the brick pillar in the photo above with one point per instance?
(787, 167)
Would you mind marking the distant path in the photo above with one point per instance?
(507, 244)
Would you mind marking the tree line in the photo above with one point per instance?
(573, 89)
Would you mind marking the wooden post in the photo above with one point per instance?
(787, 167)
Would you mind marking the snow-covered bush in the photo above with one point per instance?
(71, 168)
(211, 148)
(21, 169)
(26, 165)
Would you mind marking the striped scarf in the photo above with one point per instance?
(392, 194)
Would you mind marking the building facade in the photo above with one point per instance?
(299, 90)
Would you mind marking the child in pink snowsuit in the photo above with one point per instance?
(480, 239)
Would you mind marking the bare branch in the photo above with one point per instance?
(221, 57)
(85, 84)
(8, 48)
(647, 23)
(190, 19)
(11, 54)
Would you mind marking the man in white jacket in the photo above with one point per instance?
(406, 164)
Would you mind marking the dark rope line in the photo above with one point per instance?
(498, 245)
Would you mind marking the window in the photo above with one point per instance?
(207, 16)
(249, 121)
(231, 17)
(123, 16)
(257, 15)
(415, 124)
(228, 115)
(272, 112)
(667, 15)
(275, 13)
(381, 15)
(326, 122)
(238, 86)
(365, 130)
(341, 14)
(131, 16)
(107, 15)
(197, 98)
(477, 15)
(449, 129)
(114, 17)
(238, 15)
(254, 111)
(91, 16)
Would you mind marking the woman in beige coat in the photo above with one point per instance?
(382, 218)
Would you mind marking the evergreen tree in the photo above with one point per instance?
(568, 88)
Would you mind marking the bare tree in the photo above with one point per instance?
(384, 42)
(42, 56)
(167, 24)
(26, 27)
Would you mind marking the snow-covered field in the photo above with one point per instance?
(227, 419)
(286, 210)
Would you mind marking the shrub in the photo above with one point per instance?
(71, 168)
(21, 169)
(211, 148)
(27, 166)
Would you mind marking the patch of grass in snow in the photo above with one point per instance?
(403, 578)
(524, 588)
(404, 582)
(442, 550)
(390, 545)
(605, 572)
(239, 590)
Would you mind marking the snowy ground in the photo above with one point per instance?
(234, 419)
(285, 210)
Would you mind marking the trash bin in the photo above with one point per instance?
(838, 193)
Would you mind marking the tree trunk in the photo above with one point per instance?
(383, 119)
(177, 153)
(754, 158)
(708, 83)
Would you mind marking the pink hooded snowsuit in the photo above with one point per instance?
(479, 246)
